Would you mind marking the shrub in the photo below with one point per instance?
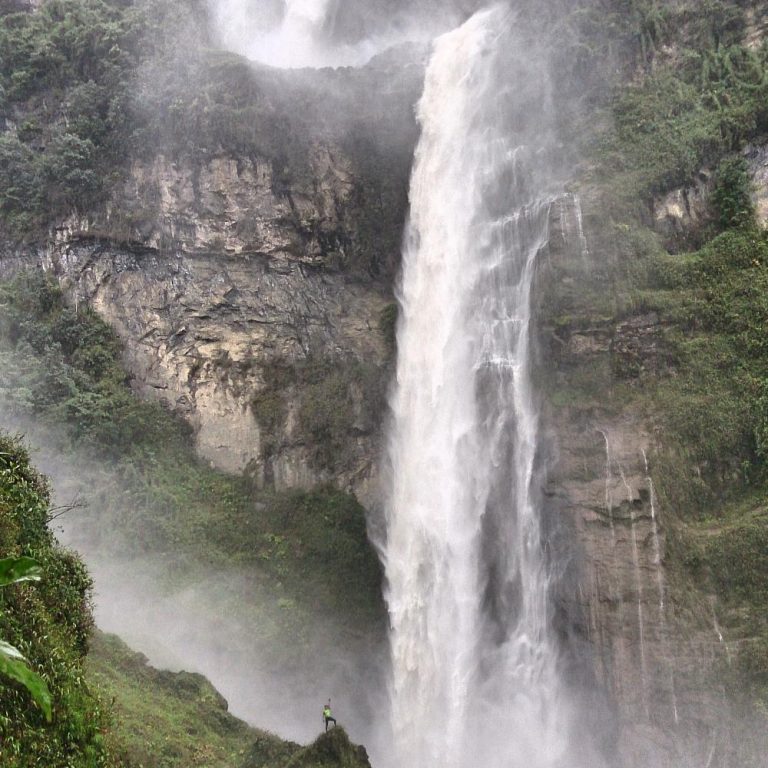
(50, 623)
(732, 193)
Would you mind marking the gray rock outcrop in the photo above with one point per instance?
(204, 308)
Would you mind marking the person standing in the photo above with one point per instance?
(328, 715)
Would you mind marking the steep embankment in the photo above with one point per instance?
(162, 719)
(166, 719)
(50, 623)
(654, 368)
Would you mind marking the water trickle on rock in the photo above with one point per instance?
(475, 678)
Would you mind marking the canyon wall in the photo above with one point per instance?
(260, 308)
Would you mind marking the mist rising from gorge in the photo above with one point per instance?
(224, 622)
(328, 33)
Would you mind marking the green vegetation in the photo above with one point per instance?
(305, 548)
(698, 95)
(337, 400)
(63, 367)
(13, 665)
(687, 92)
(90, 87)
(716, 304)
(672, 124)
(88, 84)
(49, 622)
(732, 193)
(166, 720)
(65, 82)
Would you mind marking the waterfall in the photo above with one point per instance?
(474, 664)
(306, 13)
(299, 40)
(293, 34)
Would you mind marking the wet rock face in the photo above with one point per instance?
(650, 653)
(230, 206)
(684, 212)
(200, 329)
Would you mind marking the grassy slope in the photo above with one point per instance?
(178, 720)
(163, 719)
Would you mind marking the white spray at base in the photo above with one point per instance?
(299, 34)
(475, 678)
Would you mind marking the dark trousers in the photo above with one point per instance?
(329, 720)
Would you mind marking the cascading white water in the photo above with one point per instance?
(475, 678)
(290, 33)
(298, 41)
(299, 35)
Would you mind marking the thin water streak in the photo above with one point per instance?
(661, 585)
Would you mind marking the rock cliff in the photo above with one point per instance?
(232, 281)
(626, 605)
(253, 294)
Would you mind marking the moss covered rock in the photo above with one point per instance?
(331, 749)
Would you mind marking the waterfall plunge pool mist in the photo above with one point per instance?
(476, 677)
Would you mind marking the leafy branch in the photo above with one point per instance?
(14, 570)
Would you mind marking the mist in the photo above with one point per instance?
(223, 623)
(513, 682)
(328, 33)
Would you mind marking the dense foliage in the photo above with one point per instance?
(87, 84)
(65, 86)
(717, 301)
(686, 114)
(50, 622)
(166, 720)
(63, 367)
(13, 665)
